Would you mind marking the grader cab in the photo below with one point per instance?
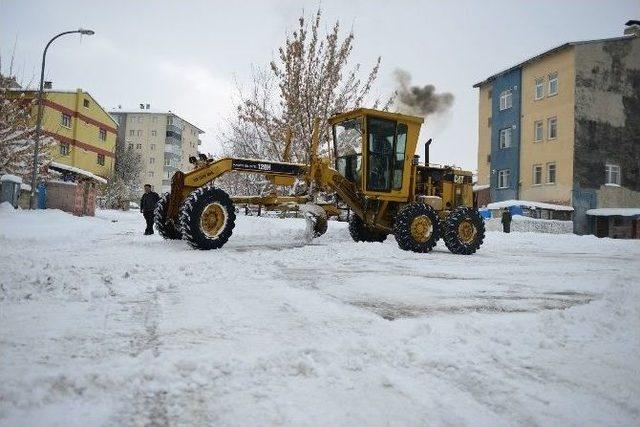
(375, 173)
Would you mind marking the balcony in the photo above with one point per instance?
(173, 149)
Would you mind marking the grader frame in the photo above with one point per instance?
(377, 177)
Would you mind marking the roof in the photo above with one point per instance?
(152, 111)
(550, 52)
(528, 204)
(368, 111)
(614, 212)
(56, 165)
(70, 91)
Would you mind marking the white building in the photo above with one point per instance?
(164, 141)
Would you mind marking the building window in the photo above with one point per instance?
(553, 84)
(551, 173)
(153, 132)
(65, 120)
(139, 119)
(138, 146)
(506, 99)
(132, 132)
(139, 132)
(85, 103)
(103, 134)
(64, 149)
(552, 125)
(167, 161)
(152, 160)
(612, 174)
(488, 121)
(488, 158)
(505, 138)
(539, 88)
(537, 174)
(100, 159)
(130, 146)
(150, 174)
(538, 132)
(503, 178)
(154, 119)
(153, 146)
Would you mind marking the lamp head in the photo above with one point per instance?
(86, 32)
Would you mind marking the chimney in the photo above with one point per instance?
(148, 106)
(48, 85)
(142, 106)
(633, 28)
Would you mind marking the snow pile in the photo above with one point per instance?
(534, 225)
(528, 204)
(105, 326)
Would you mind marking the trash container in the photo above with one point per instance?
(10, 189)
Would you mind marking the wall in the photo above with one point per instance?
(507, 158)
(558, 150)
(607, 111)
(484, 134)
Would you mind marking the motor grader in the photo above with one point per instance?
(374, 172)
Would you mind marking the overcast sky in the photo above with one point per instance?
(185, 55)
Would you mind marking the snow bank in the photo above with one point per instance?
(528, 204)
(525, 224)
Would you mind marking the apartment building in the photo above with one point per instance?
(164, 141)
(563, 127)
(84, 132)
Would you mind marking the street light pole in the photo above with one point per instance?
(36, 138)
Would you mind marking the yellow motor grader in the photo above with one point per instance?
(375, 172)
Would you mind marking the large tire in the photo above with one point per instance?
(165, 226)
(207, 218)
(417, 228)
(463, 231)
(360, 232)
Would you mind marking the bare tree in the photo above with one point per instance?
(124, 184)
(17, 113)
(310, 79)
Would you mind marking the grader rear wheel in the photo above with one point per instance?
(207, 218)
(165, 226)
(360, 232)
(417, 228)
(463, 231)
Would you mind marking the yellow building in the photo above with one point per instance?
(85, 133)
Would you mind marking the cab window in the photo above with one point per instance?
(398, 162)
(381, 136)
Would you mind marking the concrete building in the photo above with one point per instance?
(84, 131)
(164, 140)
(563, 127)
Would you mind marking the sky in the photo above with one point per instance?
(189, 56)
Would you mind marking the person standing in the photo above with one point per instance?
(148, 206)
(506, 220)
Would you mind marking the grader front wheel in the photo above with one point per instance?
(165, 226)
(463, 231)
(417, 228)
(207, 218)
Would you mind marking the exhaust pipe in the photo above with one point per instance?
(426, 151)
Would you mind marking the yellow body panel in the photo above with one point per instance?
(559, 150)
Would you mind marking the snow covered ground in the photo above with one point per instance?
(100, 325)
